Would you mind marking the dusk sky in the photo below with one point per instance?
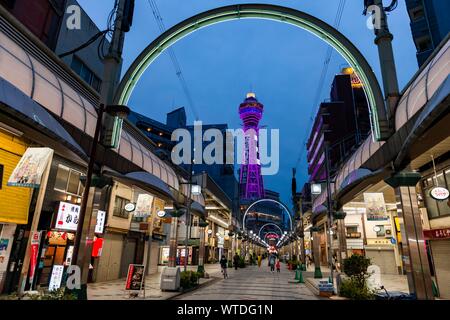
(281, 63)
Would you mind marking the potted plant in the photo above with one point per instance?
(355, 286)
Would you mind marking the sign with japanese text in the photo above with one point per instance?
(56, 277)
(375, 206)
(135, 277)
(143, 205)
(31, 167)
(439, 193)
(35, 242)
(101, 216)
(436, 234)
(67, 217)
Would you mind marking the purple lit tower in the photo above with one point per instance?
(250, 179)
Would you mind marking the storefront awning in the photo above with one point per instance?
(144, 180)
(18, 105)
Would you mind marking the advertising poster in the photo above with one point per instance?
(375, 207)
(29, 170)
(143, 205)
(35, 241)
(56, 277)
(135, 277)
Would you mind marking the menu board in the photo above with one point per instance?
(135, 277)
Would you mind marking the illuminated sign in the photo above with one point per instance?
(439, 193)
(129, 207)
(67, 217)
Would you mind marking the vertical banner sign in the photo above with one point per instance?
(29, 170)
(101, 215)
(143, 205)
(375, 207)
(56, 277)
(35, 241)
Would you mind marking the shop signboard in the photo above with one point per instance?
(31, 167)
(56, 277)
(143, 205)
(436, 234)
(135, 277)
(35, 242)
(101, 215)
(375, 207)
(439, 193)
(67, 216)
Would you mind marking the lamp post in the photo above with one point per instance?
(329, 211)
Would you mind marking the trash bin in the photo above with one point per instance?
(170, 279)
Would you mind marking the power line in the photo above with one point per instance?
(173, 58)
(323, 75)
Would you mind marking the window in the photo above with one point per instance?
(417, 13)
(119, 208)
(85, 73)
(68, 181)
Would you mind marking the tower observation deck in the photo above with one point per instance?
(250, 179)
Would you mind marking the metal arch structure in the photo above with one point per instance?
(269, 200)
(380, 119)
(267, 224)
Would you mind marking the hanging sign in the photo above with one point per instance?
(56, 278)
(129, 207)
(67, 217)
(101, 215)
(439, 193)
(143, 205)
(375, 206)
(31, 167)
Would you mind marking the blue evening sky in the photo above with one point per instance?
(280, 62)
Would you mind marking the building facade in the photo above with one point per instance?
(429, 25)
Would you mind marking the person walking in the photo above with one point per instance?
(278, 266)
(259, 261)
(236, 259)
(224, 265)
(272, 263)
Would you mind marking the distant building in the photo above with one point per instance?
(342, 123)
(430, 24)
(42, 17)
(160, 134)
(46, 20)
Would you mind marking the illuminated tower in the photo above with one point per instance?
(250, 179)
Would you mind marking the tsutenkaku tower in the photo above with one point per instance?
(250, 179)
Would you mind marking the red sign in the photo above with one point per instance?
(436, 234)
(97, 248)
(35, 241)
(135, 277)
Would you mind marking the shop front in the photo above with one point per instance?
(435, 206)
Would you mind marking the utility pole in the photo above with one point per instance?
(106, 115)
(383, 40)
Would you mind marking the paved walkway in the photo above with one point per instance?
(253, 283)
(115, 290)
